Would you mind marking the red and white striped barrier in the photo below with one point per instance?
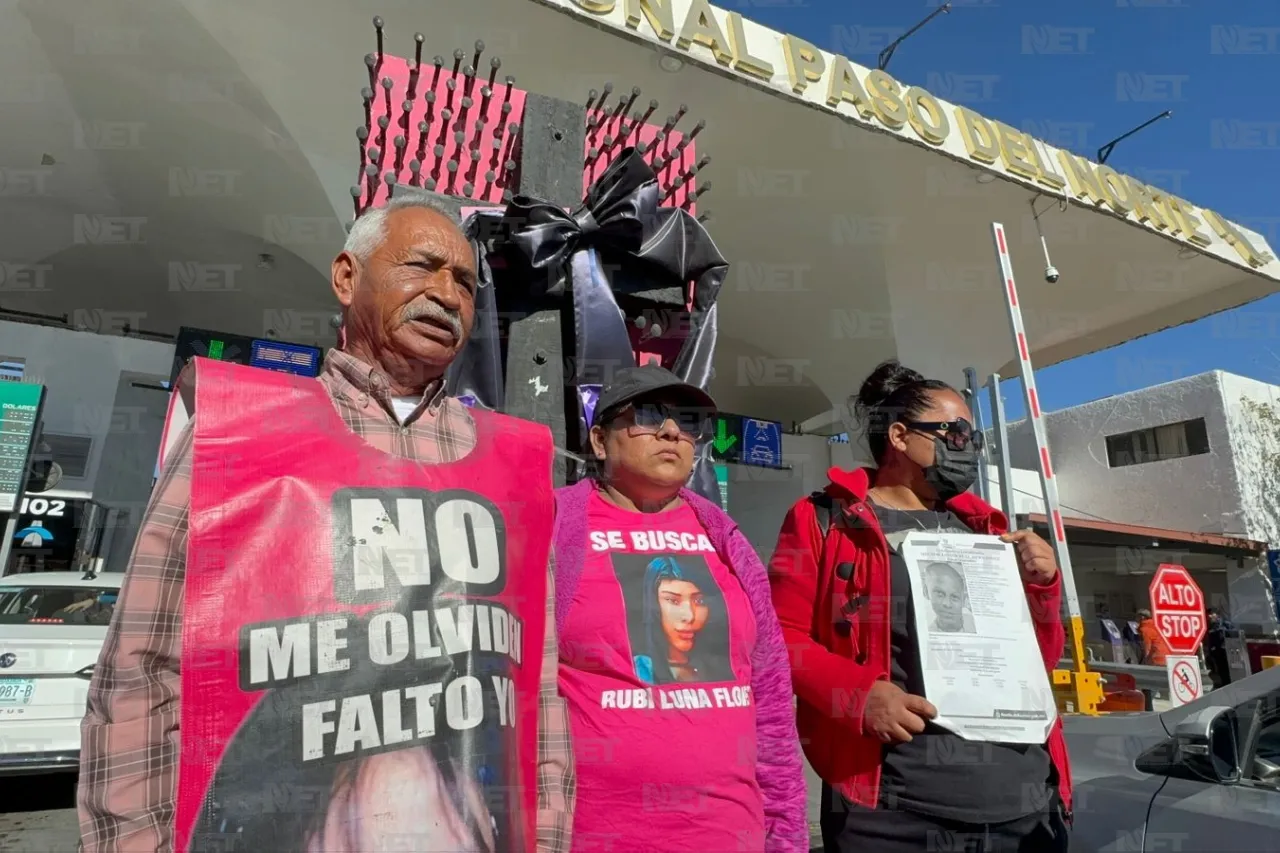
(1048, 482)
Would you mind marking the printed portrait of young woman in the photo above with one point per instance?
(443, 793)
(676, 618)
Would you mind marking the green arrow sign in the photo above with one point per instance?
(723, 441)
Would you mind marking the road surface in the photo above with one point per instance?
(37, 815)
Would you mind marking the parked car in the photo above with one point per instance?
(1205, 776)
(52, 625)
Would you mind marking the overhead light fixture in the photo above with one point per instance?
(985, 177)
(670, 63)
(1187, 253)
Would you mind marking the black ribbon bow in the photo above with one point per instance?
(612, 216)
(620, 219)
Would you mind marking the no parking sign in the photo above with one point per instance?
(1185, 683)
(1177, 607)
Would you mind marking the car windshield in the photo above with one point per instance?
(56, 605)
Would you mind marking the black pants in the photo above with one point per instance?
(850, 828)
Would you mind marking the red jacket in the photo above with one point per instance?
(832, 670)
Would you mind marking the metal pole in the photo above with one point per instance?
(10, 528)
(971, 390)
(1088, 692)
(1000, 435)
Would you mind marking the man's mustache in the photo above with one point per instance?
(432, 311)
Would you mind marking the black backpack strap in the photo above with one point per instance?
(823, 507)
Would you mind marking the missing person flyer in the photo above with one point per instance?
(361, 683)
(979, 656)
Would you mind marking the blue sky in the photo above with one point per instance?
(1231, 73)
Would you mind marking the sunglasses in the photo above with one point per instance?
(694, 424)
(959, 434)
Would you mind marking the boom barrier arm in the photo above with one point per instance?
(1084, 687)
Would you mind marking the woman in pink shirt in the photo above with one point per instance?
(671, 657)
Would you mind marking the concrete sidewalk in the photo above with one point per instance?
(39, 832)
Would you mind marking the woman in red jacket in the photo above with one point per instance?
(894, 781)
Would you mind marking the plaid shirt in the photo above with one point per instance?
(130, 739)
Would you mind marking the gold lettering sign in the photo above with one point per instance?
(1191, 223)
(1119, 196)
(701, 27)
(804, 63)
(844, 87)
(742, 59)
(978, 135)
(1235, 239)
(1161, 203)
(886, 99)
(1083, 181)
(1045, 172)
(1015, 151)
(657, 12)
(880, 98)
(926, 116)
(1144, 206)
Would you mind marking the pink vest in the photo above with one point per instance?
(362, 634)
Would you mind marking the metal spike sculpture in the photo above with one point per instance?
(670, 152)
(445, 127)
(453, 126)
(439, 126)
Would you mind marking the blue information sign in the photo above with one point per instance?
(287, 358)
(747, 441)
(762, 442)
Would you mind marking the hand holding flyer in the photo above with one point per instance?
(978, 652)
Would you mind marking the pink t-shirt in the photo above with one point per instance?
(655, 664)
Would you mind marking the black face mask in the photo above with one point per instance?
(953, 472)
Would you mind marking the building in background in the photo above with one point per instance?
(103, 415)
(194, 168)
(1186, 472)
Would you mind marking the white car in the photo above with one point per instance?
(52, 626)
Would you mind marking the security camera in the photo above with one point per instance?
(1051, 274)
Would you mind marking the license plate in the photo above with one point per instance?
(16, 691)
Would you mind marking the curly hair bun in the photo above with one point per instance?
(887, 379)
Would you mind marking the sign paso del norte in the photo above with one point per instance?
(874, 98)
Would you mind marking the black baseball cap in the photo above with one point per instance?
(632, 383)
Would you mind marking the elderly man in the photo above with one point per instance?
(262, 514)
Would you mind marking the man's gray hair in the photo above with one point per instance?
(370, 229)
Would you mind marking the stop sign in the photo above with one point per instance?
(1177, 607)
